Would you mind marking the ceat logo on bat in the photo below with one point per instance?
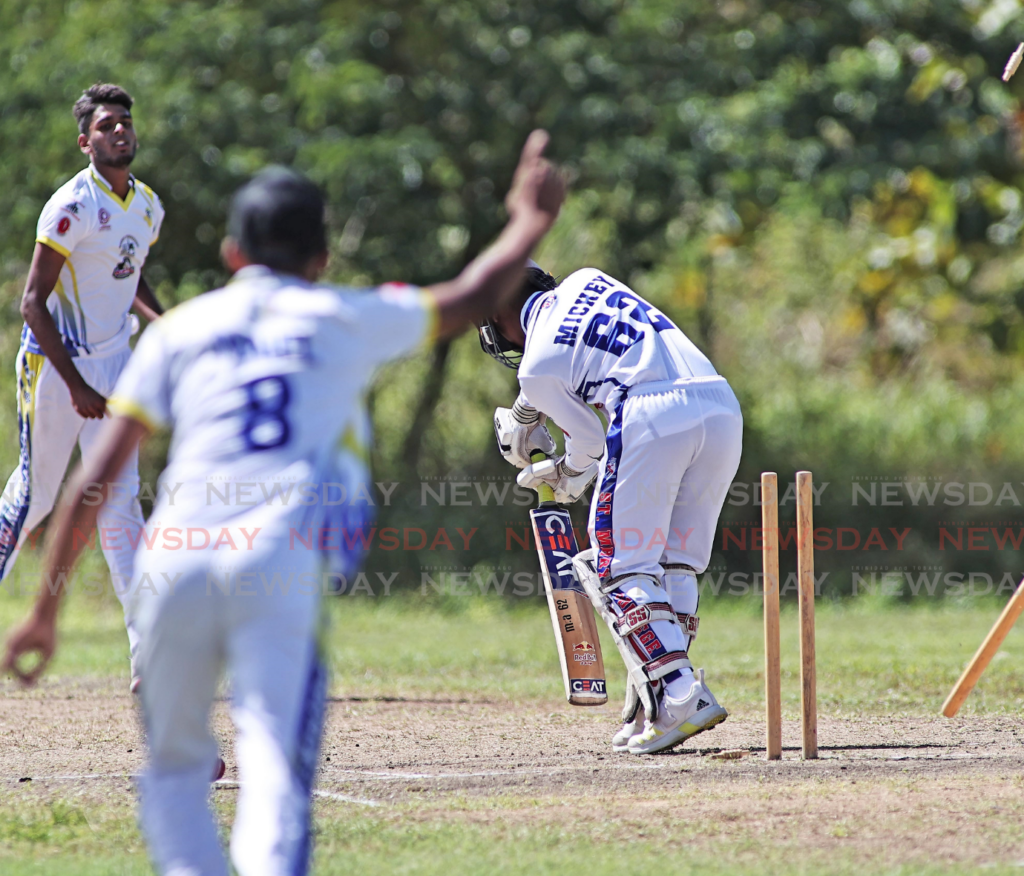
(584, 652)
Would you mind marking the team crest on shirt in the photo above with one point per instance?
(104, 219)
(63, 225)
(125, 268)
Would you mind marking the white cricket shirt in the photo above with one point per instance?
(104, 241)
(587, 342)
(257, 382)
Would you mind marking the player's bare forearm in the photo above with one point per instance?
(42, 277)
(76, 517)
(146, 304)
(488, 279)
(533, 203)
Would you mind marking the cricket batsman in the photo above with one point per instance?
(663, 467)
(256, 382)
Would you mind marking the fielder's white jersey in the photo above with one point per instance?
(258, 381)
(104, 241)
(587, 342)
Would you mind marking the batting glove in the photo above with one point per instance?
(567, 483)
(520, 430)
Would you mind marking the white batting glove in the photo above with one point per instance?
(567, 483)
(520, 430)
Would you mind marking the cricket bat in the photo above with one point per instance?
(572, 615)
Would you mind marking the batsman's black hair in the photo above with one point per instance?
(537, 280)
(277, 219)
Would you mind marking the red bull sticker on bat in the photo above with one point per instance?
(584, 653)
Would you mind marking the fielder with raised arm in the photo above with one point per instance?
(257, 381)
(664, 466)
(92, 240)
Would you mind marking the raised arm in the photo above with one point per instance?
(533, 202)
(117, 441)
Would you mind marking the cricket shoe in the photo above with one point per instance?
(678, 720)
(620, 741)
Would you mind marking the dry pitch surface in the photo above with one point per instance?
(886, 792)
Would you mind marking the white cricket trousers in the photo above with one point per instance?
(671, 452)
(267, 643)
(48, 428)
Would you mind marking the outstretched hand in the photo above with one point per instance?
(538, 187)
(36, 635)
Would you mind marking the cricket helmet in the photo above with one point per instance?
(492, 341)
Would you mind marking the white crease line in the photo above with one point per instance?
(76, 778)
(326, 795)
(669, 766)
(220, 783)
(390, 774)
(672, 765)
(345, 798)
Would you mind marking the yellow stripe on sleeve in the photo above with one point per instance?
(127, 407)
(433, 317)
(56, 247)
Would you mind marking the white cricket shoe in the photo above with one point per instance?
(620, 741)
(678, 720)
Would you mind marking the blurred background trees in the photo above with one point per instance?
(827, 197)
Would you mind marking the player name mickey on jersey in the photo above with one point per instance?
(566, 332)
(642, 312)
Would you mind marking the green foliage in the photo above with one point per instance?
(827, 197)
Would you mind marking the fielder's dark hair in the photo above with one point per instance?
(95, 96)
(277, 219)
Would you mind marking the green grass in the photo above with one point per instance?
(60, 837)
(874, 656)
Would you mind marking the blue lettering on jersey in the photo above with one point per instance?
(588, 388)
(243, 346)
(642, 311)
(567, 331)
(566, 334)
